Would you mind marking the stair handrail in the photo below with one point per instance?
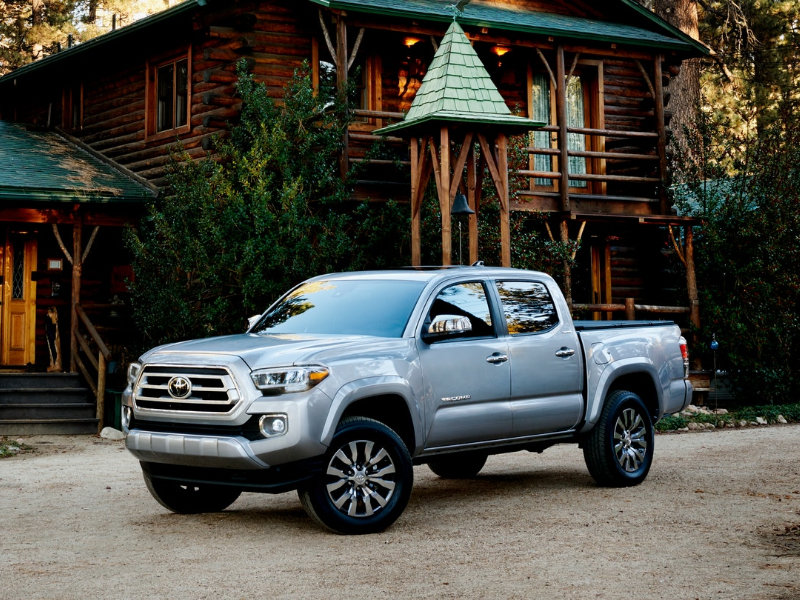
(98, 387)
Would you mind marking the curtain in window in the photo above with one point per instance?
(576, 118)
(540, 92)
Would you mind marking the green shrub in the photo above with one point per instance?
(232, 232)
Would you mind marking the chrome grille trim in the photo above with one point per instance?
(213, 389)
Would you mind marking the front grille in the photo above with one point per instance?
(209, 389)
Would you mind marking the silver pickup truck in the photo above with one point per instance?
(350, 379)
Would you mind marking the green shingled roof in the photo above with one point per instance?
(653, 31)
(42, 166)
(458, 89)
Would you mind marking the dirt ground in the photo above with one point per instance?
(718, 517)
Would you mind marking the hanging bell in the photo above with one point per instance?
(460, 206)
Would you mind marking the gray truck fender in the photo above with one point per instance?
(386, 385)
(610, 374)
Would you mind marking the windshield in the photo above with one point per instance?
(344, 307)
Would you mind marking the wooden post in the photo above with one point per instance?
(505, 207)
(416, 249)
(630, 309)
(561, 119)
(564, 230)
(77, 267)
(341, 86)
(658, 88)
(444, 195)
(472, 200)
(691, 286)
(101, 391)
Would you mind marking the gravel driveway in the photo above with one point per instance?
(718, 517)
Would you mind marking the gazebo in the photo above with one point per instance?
(458, 102)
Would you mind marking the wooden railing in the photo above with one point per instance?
(601, 177)
(630, 308)
(91, 356)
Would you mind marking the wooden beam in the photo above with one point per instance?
(662, 133)
(561, 120)
(458, 168)
(505, 213)
(77, 268)
(691, 283)
(472, 200)
(415, 207)
(444, 196)
(564, 229)
(341, 86)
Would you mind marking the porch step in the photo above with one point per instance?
(45, 403)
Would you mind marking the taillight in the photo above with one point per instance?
(685, 355)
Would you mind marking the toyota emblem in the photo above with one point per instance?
(179, 387)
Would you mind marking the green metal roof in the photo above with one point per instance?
(654, 31)
(42, 166)
(458, 89)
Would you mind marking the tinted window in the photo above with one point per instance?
(528, 306)
(345, 307)
(465, 300)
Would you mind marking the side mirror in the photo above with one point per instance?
(444, 326)
(252, 321)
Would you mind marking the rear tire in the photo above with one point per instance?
(619, 450)
(367, 479)
(190, 498)
(458, 466)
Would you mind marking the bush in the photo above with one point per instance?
(748, 257)
(232, 232)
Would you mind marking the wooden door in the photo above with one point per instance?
(18, 324)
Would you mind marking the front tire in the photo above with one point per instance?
(619, 450)
(190, 498)
(367, 479)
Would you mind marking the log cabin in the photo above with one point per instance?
(594, 76)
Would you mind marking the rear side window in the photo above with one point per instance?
(528, 306)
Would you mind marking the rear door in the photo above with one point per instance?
(546, 360)
(466, 377)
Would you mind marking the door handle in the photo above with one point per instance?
(565, 352)
(497, 358)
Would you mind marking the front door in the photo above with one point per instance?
(18, 315)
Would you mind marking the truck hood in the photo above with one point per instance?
(255, 349)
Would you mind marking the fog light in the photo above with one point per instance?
(273, 425)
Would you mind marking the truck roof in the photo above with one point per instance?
(430, 273)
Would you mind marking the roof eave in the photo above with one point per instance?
(174, 12)
(510, 124)
(684, 43)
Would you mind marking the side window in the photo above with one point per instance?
(528, 306)
(465, 300)
(168, 94)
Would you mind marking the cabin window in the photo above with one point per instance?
(364, 82)
(168, 95)
(582, 102)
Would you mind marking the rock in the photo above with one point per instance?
(743, 423)
(109, 433)
(693, 426)
(781, 419)
(709, 426)
(761, 421)
(721, 411)
(692, 409)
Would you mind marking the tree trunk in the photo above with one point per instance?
(683, 90)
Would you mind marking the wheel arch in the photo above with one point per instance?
(636, 376)
(390, 403)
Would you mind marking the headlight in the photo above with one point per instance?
(133, 372)
(288, 379)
